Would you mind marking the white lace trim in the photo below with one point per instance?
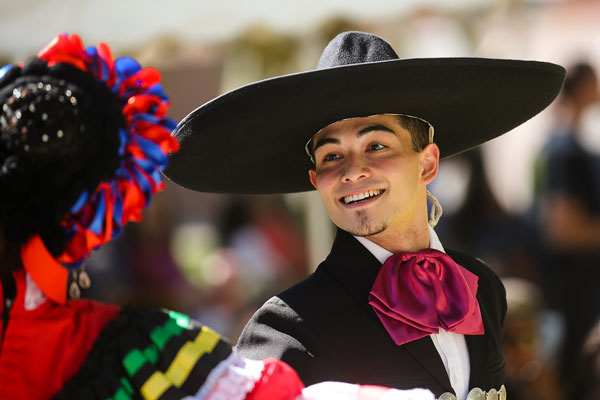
(33, 295)
(412, 394)
(330, 391)
(348, 391)
(232, 379)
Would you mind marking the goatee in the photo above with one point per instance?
(365, 227)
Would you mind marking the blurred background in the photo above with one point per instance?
(527, 203)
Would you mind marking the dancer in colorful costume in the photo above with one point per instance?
(83, 141)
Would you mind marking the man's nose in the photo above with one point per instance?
(355, 169)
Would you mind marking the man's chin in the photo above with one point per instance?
(366, 231)
(360, 223)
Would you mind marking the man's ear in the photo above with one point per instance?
(430, 162)
(312, 174)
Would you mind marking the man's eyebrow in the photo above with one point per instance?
(376, 127)
(363, 131)
(325, 141)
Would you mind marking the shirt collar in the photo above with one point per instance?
(382, 254)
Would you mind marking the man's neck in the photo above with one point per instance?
(382, 254)
(409, 240)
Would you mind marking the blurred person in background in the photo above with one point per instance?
(83, 140)
(587, 377)
(267, 251)
(569, 216)
(475, 220)
(368, 120)
(252, 249)
(265, 239)
(529, 374)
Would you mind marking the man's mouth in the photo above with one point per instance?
(361, 197)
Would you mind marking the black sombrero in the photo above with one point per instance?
(251, 140)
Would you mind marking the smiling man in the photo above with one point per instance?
(389, 305)
(372, 178)
(371, 173)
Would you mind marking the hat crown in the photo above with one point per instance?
(355, 48)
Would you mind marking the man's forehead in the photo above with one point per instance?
(384, 122)
(359, 126)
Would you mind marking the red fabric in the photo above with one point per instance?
(48, 274)
(278, 382)
(415, 294)
(45, 347)
(65, 49)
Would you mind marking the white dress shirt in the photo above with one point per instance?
(451, 347)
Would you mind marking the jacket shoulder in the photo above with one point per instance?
(283, 329)
(490, 288)
(479, 267)
(275, 330)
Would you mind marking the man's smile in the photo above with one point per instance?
(361, 198)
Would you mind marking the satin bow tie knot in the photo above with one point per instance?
(415, 294)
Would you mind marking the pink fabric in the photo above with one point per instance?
(415, 294)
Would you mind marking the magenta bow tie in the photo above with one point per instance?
(415, 294)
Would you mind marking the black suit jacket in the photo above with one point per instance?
(326, 330)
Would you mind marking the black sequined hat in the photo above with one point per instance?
(251, 140)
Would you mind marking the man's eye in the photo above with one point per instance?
(376, 146)
(331, 157)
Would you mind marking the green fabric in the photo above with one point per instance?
(161, 334)
(121, 394)
(181, 319)
(128, 388)
(133, 361)
(136, 358)
(151, 353)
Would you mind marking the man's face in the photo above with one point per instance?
(369, 177)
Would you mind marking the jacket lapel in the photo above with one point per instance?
(356, 269)
(477, 349)
(425, 353)
(477, 344)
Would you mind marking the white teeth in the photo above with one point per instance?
(361, 196)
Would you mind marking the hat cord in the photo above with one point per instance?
(436, 210)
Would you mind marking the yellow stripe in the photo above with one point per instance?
(154, 387)
(189, 354)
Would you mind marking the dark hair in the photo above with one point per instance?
(577, 78)
(59, 137)
(418, 129)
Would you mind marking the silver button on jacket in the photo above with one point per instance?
(479, 394)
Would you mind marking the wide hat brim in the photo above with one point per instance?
(251, 140)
